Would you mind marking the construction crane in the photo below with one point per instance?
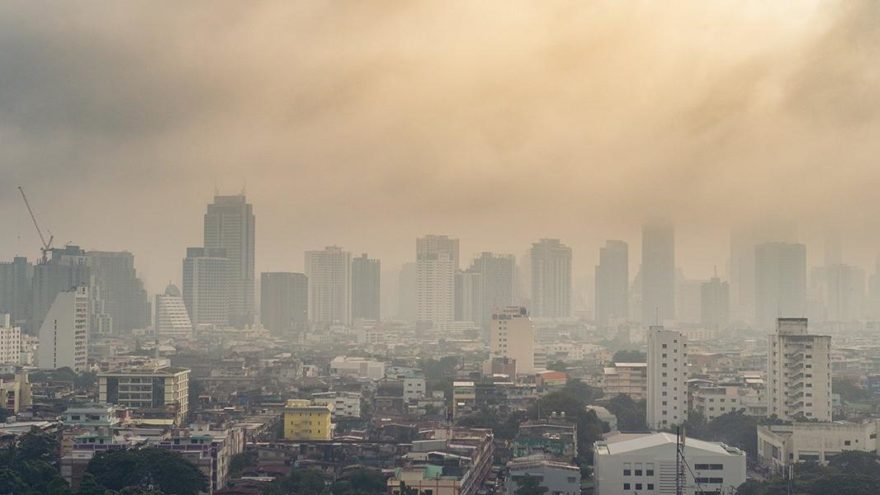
(47, 246)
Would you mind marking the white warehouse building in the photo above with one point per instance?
(646, 464)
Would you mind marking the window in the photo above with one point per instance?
(650, 486)
(626, 486)
(638, 486)
(649, 469)
(572, 479)
(847, 442)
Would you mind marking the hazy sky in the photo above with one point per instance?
(365, 124)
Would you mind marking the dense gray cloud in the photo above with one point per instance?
(368, 123)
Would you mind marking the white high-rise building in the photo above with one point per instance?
(230, 225)
(329, 274)
(10, 341)
(667, 378)
(436, 264)
(206, 286)
(512, 336)
(172, 319)
(64, 334)
(799, 372)
(551, 279)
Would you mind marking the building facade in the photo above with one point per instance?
(799, 372)
(230, 225)
(780, 282)
(305, 420)
(329, 278)
(284, 301)
(612, 283)
(10, 341)
(172, 318)
(16, 283)
(551, 279)
(206, 273)
(667, 399)
(64, 333)
(626, 379)
(437, 260)
(163, 392)
(512, 336)
(365, 288)
(658, 273)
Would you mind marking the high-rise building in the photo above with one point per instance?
(511, 335)
(406, 292)
(497, 283)
(742, 263)
(329, 274)
(365, 288)
(714, 303)
(844, 292)
(667, 378)
(10, 341)
(16, 282)
(284, 301)
(206, 285)
(67, 268)
(612, 282)
(551, 279)
(172, 318)
(230, 225)
(64, 333)
(799, 372)
(469, 296)
(780, 282)
(658, 273)
(119, 289)
(436, 264)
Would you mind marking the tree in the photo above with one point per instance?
(37, 445)
(88, 485)
(163, 469)
(852, 461)
(530, 485)
(629, 356)
(557, 366)
(849, 391)
(241, 461)
(631, 415)
(299, 481)
(360, 482)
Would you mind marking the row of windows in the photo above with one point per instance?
(638, 472)
(708, 467)
(717, 481)
(628, 486)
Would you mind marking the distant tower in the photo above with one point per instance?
(436, 264)
(206, 273)
(172, 318)
(658, 273)
(284, 301)
(612, 282)
(329, 274)
(780, 282)
(230, 225)
(714, 303)
(551, 279)
(365, 288)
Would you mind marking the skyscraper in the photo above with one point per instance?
(206, 285)
(284, 301)
(667, 378)
(64, 333)
(67, 268)
(436, 264)
(714, 303)
(799, 372)
(844, 292)
(497, 283)
(658, 273)
(612, 282)
(512, 336)
(230, 225)
(172, 318)
(469, 296)
(406, 290)
(365, 288)
(780, 282)
(329, 274)
(551, 279)
(119, 289)
(16, 279)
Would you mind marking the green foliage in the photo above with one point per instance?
(88, 485)
(631, 415)
(242, 461)
(629, 356)
(360, 482)
(734, 428)
(504, 426)
(530, 485)
(572, 401)
(848, 473)
(849, 391)
(28, 466)
(299, 481)
(557, 366)
(163, 469)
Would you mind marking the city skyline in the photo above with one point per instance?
(716, 138)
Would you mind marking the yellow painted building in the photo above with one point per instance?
(305, 420)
